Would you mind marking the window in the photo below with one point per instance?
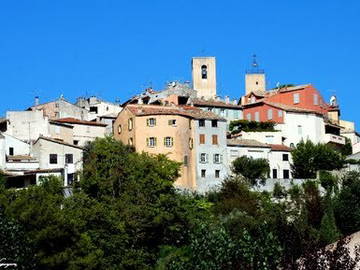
(69, 159)
(222, 112)
(253, 99)
(130, 124)
(285, 157)
(88, 129)
(296, 97)
(214, 123)
(119, 129)
(93, 109)
(280, 113)
(130, 141)
(151, 122)
(269, 114)
(202, 138)
(151, 142)
(76, 142)
(316, 99)
(203, 173)
(236, 114)
(56, 105)
(269, 139)
(217, 173)
(204, 72)
(299, 130)
(70, 178)
(168, 141)
(11, 151)
(191, 143)
(172, 122)
(201, 123)
(214, 139)
(53, 158)
(248, 116)
(186, 160)
(274, 173)
(57, 129)
(217, 158)
(257, 116)
(286, 174)
(203, 158)
(234, 153)
(292, 145)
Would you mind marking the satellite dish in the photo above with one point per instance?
(333, 101)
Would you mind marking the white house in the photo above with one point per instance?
(58, 156)
(98, 107)
(211, 156)
(279, 156)
(26, 125)
(84, 131)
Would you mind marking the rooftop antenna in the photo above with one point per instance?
(254, 63)
(255, 67)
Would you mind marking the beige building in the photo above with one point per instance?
(60, 108)
(84, 131)
(204, 76)
(61, 131)
(165, 130)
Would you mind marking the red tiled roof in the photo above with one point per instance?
(70, 120)
(187, 111)
(246, 142)
(290, 108)
(214, 103)
(59, 142)
(280, 147)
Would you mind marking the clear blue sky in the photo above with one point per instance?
(116, 48)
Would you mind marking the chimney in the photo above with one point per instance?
(36, 101)
(227, 99)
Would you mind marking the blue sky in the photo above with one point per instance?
(116, 48)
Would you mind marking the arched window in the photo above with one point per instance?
(204, 72)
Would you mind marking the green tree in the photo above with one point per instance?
(308, 158)
(252, 169)
(347, 204)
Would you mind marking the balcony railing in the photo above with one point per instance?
(331, 138)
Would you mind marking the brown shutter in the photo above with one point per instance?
(214, 139)
(202, 138)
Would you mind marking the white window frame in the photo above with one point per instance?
(280, 113)
(270, 114)
(151, 122)
(248, 116)
(316, 99)
(151, 142)
(257, 116)
(204, 158)
(217, 159)
(168, 141)
(296, 97)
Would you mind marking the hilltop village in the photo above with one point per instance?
(187, 121)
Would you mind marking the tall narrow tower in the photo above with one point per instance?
(255, 78)
(204, 76)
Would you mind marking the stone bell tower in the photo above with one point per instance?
(204, 76)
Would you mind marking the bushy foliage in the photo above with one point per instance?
(126, 214)
(245, 125)
(308, 158)
(254, 170)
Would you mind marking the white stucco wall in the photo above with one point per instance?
(87, 133)
(43, 148)
(206, 183)
(312, 127)
(264, 137)
(276, 162)
(26, 125)
(255, 152)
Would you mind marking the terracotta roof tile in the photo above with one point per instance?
(214, 103)
(59, 142)
(280, 147)
(246, 142)
(187, 111)
(70, 120)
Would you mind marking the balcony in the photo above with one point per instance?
(331, 138)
